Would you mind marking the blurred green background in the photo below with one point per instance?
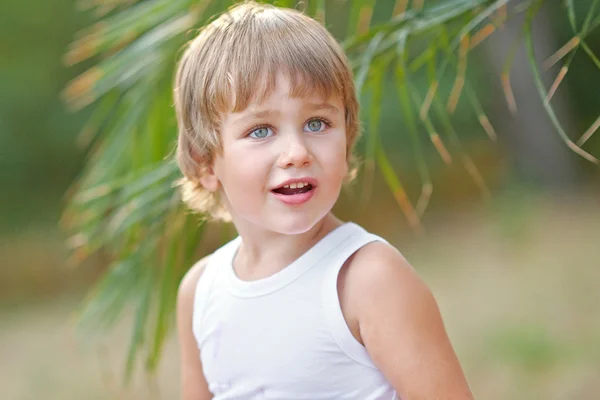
(516, 276)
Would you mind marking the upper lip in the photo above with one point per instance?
(310, 181)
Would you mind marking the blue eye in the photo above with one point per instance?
(315, 125)
(261, 133)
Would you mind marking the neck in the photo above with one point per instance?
(264, 253)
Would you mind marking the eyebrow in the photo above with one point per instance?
(253, 115)
(260, 114)
(323, 106)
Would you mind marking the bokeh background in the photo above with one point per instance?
(517, 275)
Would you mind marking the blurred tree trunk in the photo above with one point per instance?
(539, 154)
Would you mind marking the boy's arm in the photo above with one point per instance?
(401, 327)
(193, 383)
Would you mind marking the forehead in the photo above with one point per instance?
(282, 99)
(280, 88)
(283, 86)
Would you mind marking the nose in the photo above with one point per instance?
(295, 152)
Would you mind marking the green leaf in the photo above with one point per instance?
(178, 256)
(141, 317)
(366, 61)
(120, 283)
(122, 28)
(571, 15)
(376, 83)
(397, 189)
(588, 19)
(127, 67)
(591, 54)
(542, 92)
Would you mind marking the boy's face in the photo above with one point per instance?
(282, 141)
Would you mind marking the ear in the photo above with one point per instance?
(209, 179)
(206, 174)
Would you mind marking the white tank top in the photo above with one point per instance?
(284, 337)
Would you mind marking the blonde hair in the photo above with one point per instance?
(233, 61)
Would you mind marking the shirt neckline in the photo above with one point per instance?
(290, 273)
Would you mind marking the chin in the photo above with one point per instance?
(294, 223)
(286, 220)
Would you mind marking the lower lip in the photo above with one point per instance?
(295, 199)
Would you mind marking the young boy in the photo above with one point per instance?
(300, 305)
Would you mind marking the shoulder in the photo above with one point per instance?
(379, 265)
(187, 286)
(193, 383)
(379, 281)
(401, 327)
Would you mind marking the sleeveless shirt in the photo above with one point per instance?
(284, 337)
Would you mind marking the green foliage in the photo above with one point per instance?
(124, 201)
(38, 158)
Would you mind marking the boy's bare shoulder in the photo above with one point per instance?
(378, 266)
(401, 326)
(379, 255)
(187, 287)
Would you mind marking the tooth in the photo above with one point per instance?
(286, 186)
(300, 185)
(305, 183)
(293, 186)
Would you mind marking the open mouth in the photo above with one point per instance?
(294, 188)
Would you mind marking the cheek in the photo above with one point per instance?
(334, 156)
(240, 172)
